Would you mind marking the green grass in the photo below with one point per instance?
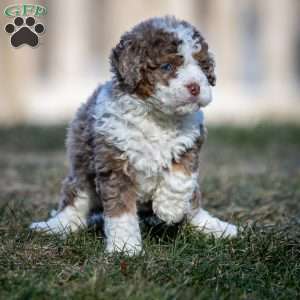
(249, 176)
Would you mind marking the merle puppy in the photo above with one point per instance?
(134, 145)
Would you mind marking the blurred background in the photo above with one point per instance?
(256, 44)
(250, 165)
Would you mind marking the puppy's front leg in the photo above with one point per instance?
(172, 198)
(116, 186)
(123, 234)
(121, 223)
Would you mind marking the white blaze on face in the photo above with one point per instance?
(176, 97)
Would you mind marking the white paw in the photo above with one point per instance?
(63, 222)
(39, 226)
(204, 222)
(129, 248)
(123, 234)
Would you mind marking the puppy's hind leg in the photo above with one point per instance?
(202, 221)
(208, 224)
(72, 213)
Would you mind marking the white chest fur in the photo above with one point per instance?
(148, 143)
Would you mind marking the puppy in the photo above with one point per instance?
(134, 146)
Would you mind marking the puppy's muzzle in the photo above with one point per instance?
(193, 88)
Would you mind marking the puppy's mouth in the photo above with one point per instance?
(185, 103)
(191, 100)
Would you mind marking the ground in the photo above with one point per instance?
(249, 176)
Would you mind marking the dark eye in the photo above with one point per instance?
(166, 67)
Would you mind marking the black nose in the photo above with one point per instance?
(193, 88)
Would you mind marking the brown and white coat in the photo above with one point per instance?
(137, 139)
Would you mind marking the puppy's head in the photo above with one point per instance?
(166, 63)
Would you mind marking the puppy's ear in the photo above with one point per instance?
(207, 62)
(126, 64)
(209, 69)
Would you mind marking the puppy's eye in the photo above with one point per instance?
(166, 67)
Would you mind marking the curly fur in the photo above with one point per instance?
(134, 146)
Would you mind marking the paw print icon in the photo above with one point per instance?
(24, 31)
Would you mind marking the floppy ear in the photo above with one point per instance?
(126, 64)
(209, 69)
(207, 62)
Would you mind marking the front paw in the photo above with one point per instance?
(123, 234)
(129, 248)
(207, 224)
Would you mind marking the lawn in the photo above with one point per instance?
(249, 176)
